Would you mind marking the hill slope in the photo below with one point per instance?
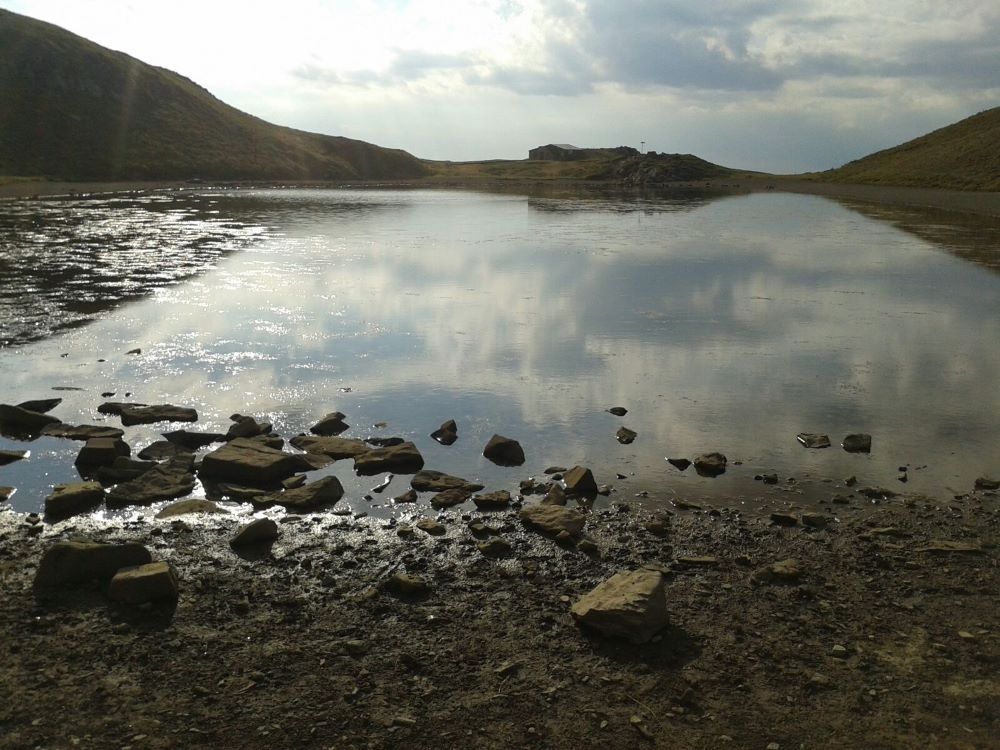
(964, 156)
(75, 110)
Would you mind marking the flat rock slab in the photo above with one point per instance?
(123, 469)
(813, 440)
(450, 498)
(499, 500)
(81, 431)
(258, 531)
(553, 519)
(332, 447)
(580, 481)
(401, 459)
(428, 480)
(710, 464)
(193, 440)
(17, 420)
(630, 605)
(41, 405)
(321, 493)
(133, 415)
(143, 583)
(987, 483)
(70, 499)
(186, 507)
(9, 457)
(618, 411)
(247, 427)
(164, 482)
(251, 462)
(504, 451)
(625, 436)
(78, 561)
(857, 443)
(162, 449)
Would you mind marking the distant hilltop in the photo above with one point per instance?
(566, 152)
(71, 109)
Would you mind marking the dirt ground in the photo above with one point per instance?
(883, 639)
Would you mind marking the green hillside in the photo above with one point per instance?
(72, 109)
(964, 156)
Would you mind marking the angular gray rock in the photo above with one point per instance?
(813, 440)
(167, 481)
(257, 531)
(132, 414)
(580, 481)
(15, 420)
(102, 451)
(186, 507)
(447, 433)
(553, 519)
(251, 462)
(710, 464)
(401, 459)
(81, 431)
(504, 451)
(630, 605)
(78, 561)
(143, 583)
(332, 424)
(70, 499)
(679, 463)
(428, 480)
(857, 443)
(332, 447)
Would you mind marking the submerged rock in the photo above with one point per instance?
(504, 451)
(102, 452)
(410, 496)
(428, 480)
(555, 495)
(857, 443)
(625, 436)
(123, 469)
(162, 449)
(401, 459)
(143, 583)
(447, 433)
(193, 440)
(710, 464)
(492, 500)
(132, 414)
(813, 440)
(78, 561)
(630, 605)
(246, 427)
(70, 499)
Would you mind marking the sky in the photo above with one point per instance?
(775, 85)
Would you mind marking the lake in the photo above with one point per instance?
(722, 323)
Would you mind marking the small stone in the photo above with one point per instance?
(494, 547)
(405, 532)
(580, 481)
(679, 463)
(450, 498)
(447, 433)
(857, 443)
(401, 459)
(784, 519)
(658, 525)
(143, 583)
(553, 519)
(618, 411)
(191, 505)
(710, 464)
(629, 605)
(78, 561)
(587, 547)
(565, 539)
(769, 478)
(556, 495)
(783, 571)
(410, 496)
(987, 483)
(965, 635)
(851, 481)
(331, 424)
(258, 531)
(815, 520)
(9, 457)
(192, 441)
(555, 470)
(625, 436)
(838, 652)
(428, 480)
(101, 452)
(403, 584)
(813, 440)
(492, 500)
(430, 526)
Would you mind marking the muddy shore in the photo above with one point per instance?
(885, 635)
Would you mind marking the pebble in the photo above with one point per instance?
(838, 652)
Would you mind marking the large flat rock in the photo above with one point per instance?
(170, 480)
(428, 480)
(247, 461)
(143, 583)
(553, 519)
(321, 493)
(630, 605)
(76, 497)
(332, 447)
(401, 459)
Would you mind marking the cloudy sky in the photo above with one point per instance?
(776, 85)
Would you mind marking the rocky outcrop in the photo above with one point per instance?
(133, 414)
(79, 561)
(401, 459)
(143, 583)
(170, 480)
(630, 605)
(504, 451)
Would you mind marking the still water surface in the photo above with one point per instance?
(721, 323)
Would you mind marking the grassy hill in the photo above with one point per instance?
(963, 156)
(71, 109)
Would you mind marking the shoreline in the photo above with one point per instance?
(986, 204)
